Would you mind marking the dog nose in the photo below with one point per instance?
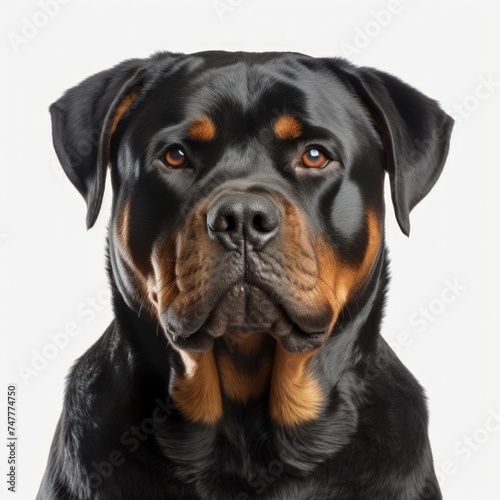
(253, 218)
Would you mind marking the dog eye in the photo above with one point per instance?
(175, 157)
(314, 158)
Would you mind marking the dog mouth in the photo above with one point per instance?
(248, 309)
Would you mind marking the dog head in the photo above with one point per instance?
(248, 188)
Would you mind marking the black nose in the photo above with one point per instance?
(235, 218)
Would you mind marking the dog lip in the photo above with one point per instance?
(315, 334)
(198, 342)
(249, 328)
(298, 341)
(295, 339)
(303, 324)
(178, 331)
(315, 324)
(297, 331)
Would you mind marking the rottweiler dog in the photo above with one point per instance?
(248, 270)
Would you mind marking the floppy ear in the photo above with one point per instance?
(415, 132)
(83, 122)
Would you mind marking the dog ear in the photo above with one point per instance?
(415, 132)
(83, 122)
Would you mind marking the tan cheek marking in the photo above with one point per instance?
(299, 255)
(301, 264)
(295, 396)
(140, 271)
(339, 281)
(287, 127)
(122, 227)
(163, 259)
(243, 387)
(123, 237)
(202, 129)
(191, 267)
(349, 278)
(197, 393)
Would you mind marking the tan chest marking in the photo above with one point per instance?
(236, 383)
(295, 396)
(197, 393)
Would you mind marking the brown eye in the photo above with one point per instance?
(314, 158)
(175, 157)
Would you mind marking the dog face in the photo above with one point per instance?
(248, 188)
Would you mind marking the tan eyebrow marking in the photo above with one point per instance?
(202, 129)
(287, 127)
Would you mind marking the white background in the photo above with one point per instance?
(52, 270)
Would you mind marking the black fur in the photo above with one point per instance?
(370, 439)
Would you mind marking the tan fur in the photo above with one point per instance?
(295, 396)
(140, 271)
(287, 127)
(202, 129)
(246, 343)
(121, 110)
(339, 281)
(197, 394)
(240, 386)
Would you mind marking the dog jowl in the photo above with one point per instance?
(248, 269)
